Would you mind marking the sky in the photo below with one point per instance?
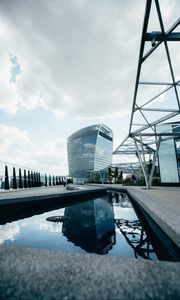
(65, 65)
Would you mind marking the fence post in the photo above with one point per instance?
(45, 180)
(32, 179)
(25, 179)
(39, 179)
(35, 179)
(14, 179)
(29, 179)
(6, 179)
(20, 179)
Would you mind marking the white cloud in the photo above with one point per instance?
(49, 157)
(81, 62)
(12, 135)
(74, 63)
(78, 60)
(98, 118)
(20, 148)
(8, 96)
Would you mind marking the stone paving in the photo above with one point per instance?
(41, 274)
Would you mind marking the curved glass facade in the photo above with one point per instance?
(89, 149)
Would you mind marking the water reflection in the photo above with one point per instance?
(130, 227)
(9, 232)
(106, 225)
(136, 237)
(91, 226)
(121, 199)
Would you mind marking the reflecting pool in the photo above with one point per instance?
(105, 225)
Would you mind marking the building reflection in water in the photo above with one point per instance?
(136, 237)
(130, 226)
(91, 226)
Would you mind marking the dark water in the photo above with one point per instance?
(106, 225)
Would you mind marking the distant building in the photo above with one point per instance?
(89, 149)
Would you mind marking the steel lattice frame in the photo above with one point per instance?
(127, 168)
(143, 138)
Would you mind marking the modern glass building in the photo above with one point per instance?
(89, 149)
(169, 154)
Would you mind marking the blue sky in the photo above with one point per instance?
(66, 65)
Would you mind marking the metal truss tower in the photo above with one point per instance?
(157, 90)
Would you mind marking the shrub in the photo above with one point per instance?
(155, 181)
(128, 181)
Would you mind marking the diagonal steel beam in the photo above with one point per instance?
(144, 30)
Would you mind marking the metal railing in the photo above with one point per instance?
(18, 177)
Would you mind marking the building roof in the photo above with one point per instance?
(91, 130)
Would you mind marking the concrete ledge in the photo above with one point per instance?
(42, 274)
(163, 206)
(27, 196)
